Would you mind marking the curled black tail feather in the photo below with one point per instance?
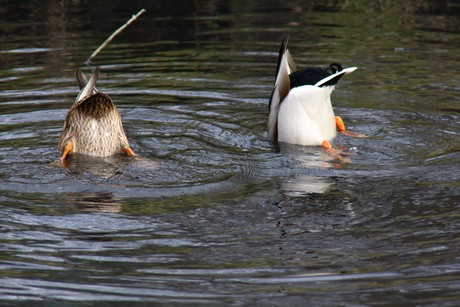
(312, 75)
(333, 68)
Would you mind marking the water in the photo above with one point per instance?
(210, 213)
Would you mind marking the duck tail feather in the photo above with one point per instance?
(335, 77)
(81, 79)
(90, 87)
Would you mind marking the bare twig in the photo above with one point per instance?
(108, 40)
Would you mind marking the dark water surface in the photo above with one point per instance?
(210, 213)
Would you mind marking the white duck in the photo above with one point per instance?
(300, 104)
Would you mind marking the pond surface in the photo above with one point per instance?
(210, 213)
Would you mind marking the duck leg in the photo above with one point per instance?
(326, 144)
(67, 149)
(129, 151)
(335, 153)
(341, 128)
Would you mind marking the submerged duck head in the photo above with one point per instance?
(300, 109)
(93, 124)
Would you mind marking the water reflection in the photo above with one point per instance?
(305, 164)
(304, 185)
(99, 169)
(94, 202)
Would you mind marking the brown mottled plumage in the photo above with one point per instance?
(93, 124)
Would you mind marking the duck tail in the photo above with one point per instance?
(81, 79)
(335, 72)
(87, 87)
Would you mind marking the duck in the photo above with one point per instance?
(93, 124)
(300, 108)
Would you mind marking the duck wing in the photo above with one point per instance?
(281, 89)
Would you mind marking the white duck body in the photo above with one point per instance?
(306, 116)
(300, 109)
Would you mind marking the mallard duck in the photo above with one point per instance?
(93, 124)
(300, 109)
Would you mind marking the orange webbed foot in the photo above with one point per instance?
(341, 128)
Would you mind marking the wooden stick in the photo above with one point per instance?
(108, 40)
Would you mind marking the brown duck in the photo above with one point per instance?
(93, 124)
